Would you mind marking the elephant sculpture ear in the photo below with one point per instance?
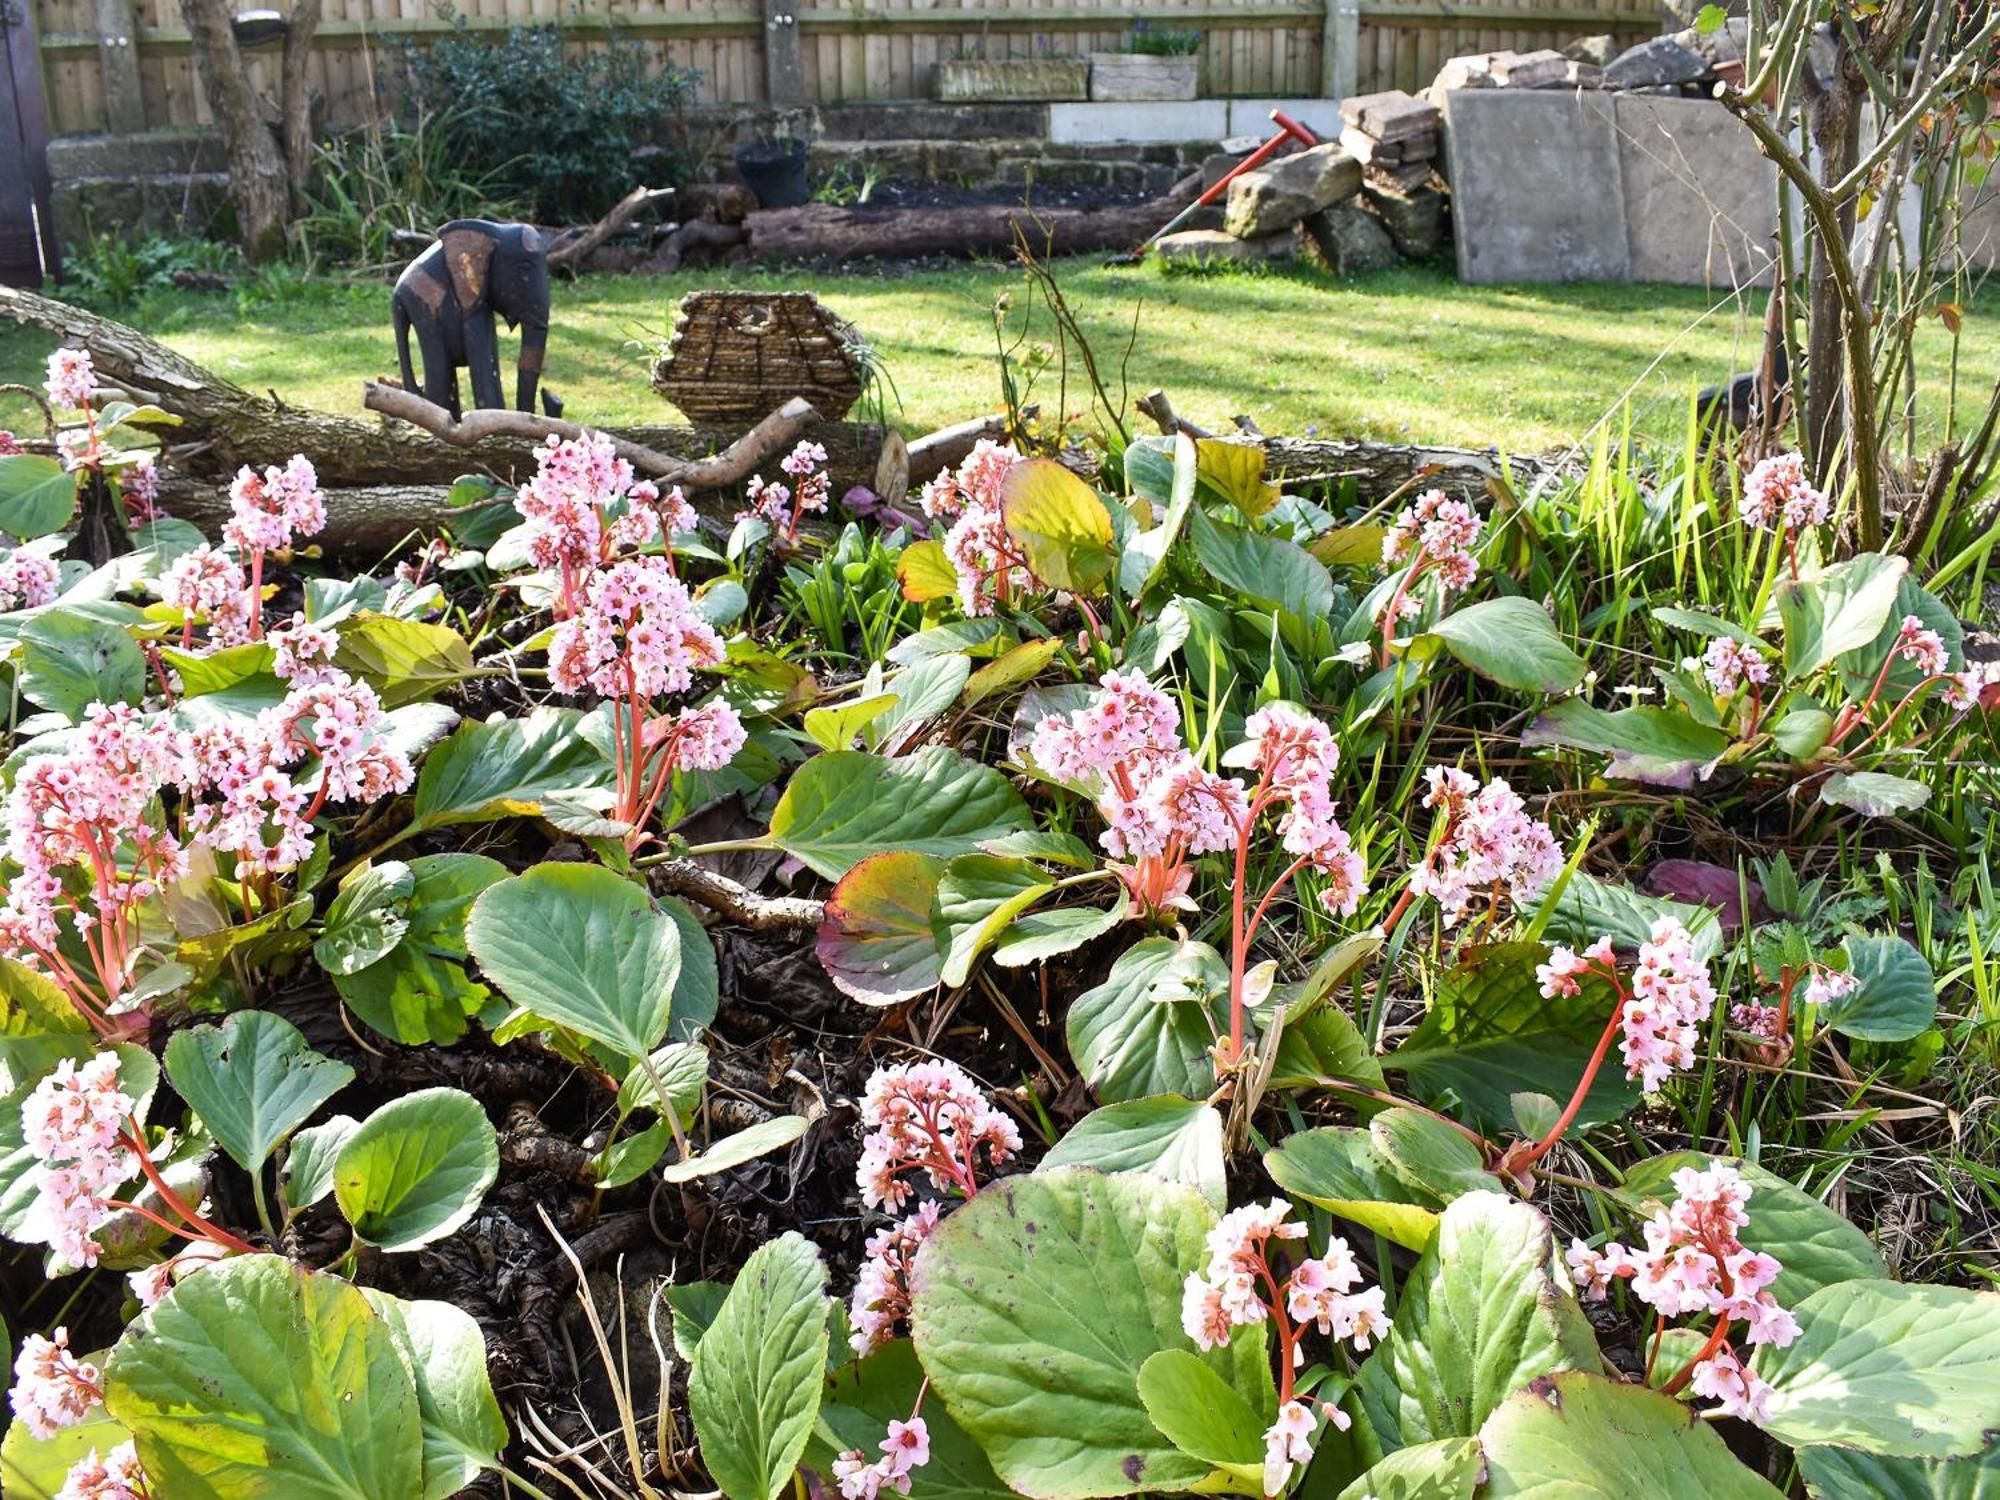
(532, 241)
(468, 255)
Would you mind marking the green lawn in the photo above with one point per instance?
(1408, 354)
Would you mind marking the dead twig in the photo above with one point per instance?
(684, 877)
(572, 245)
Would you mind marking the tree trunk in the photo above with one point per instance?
(821, 231)
(258, 184)
(296, 107)
(1835, 120)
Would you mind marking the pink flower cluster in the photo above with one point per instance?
(139, 484)
(1435, 536)
(1921, 646)
(1728, 664)
(928, 1117)
(71, 379)
(339, 722)
(207, 584)
(28, 580)
(1758, 1019)
(1489, 844)
(782, 506)
(1694, 1263)
(302, 653)
(636, 635)
(989, 566)
(53, 1389)
(150, 1284)
(1828, 985)
(881, 1304)
(907, 1447)
(74, 1121)
(584, 507)
(1671, 994)
(268, 511)
(9, 444)
(1778, 494)
(116, 1476)
(1241, 1287)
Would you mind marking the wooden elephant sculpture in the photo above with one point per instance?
(449, 295)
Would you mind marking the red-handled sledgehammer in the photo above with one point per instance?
(1288, 129)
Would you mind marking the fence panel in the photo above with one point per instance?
(849, 50)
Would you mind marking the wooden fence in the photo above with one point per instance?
(124, 64)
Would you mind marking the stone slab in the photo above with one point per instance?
(1180, 120)
(1200, 247)
(1536, 187)
(1700, 201)
(1272, 198)
(1253, 116)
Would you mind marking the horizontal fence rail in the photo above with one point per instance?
(884, 50)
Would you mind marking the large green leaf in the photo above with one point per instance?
(309, 1160)
(1587, 908)
(1448, 1469)
(1513, 641)
(1897, 995)
(69, 661)
(1428, 1153)
(367, 917)
(580, 946)
(463, 1430)
(1265, 569)
(1646, 743)
(1817, 1246)
(1170, 1136)
(405, 661)
(33, 1468)
(253, 1080)
(259, 1381)
(865, 1396)
(842, 807)
(1909, 1371)
(38, 1025)
(507, 767)
(1483, 1314)
(416, 1169)
(1577, 1436)
(1148, 1027)
(1873, 794)
(37, 495)
(1035, 1306)
(419, 991)
(1059, 523)
(755, 1386)
(1844, 1474)
(1338, 1168)
(1842, 609)
(1490, 1034)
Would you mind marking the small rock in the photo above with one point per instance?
(1272, 199)
(1598, 50)
(1725, 44)
(1205, 247)
(1655, 64)
(1348, 240)
(1530, 70)
(1474, 70)
(1583, 75)
(1414, 219)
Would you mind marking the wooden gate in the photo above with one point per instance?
(27, 237)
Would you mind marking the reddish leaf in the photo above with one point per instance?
(875, 941)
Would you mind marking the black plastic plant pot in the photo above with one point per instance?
(775, 171)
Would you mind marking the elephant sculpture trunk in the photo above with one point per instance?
(449, 297)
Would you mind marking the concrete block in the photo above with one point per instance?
(1700, 201)
(1536, 189)
(1530, 70)
(1097, 124)
(1200, 247)
(1273, 198)
(1253, 116)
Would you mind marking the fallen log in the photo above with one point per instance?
(1379, 470)
(823, 231)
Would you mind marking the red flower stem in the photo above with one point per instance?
(174, 1201)
(1568, 1116)
(1715, 1341)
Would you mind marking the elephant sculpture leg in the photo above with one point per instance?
(449, 297)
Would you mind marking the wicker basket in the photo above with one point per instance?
(736, 357)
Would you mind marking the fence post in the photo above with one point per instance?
(1340, 48)
(784, 78)
(118, 60)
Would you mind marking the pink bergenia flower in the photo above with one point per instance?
(1728, 664)
(1778, 494)
(1490, 845)
(881, 1304)
(9, 444)
(636, 633)
(338, 721)
(906, 1448)
(74, 1122)
(268, 511)
(208, 584)
(28, 580)
(1828, 985)
(928, 1117)
(304, 653)
(1671, 995)
(52, 1388)
(1918, 644)
(150, 1284)
(117, 1476)
(71, 379)
(139, 484)
(990, 568)
(1436, 536)
(1695, 1263)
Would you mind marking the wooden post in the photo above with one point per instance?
(118, 60)
(1340, 48)
(784, 77)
